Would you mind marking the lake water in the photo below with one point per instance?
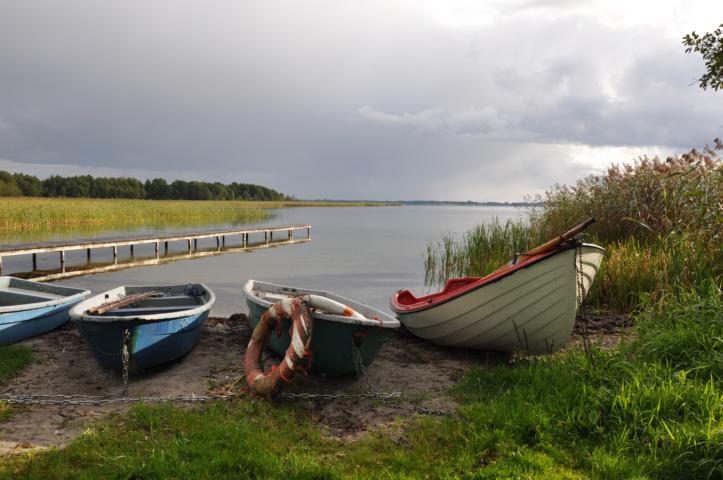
(365, 253)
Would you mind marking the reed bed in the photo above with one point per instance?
(661, 223)
(26, 214)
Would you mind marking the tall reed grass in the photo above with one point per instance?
(32, 214)
(661, 223)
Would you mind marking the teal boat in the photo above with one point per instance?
(334, 336)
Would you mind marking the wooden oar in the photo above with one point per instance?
(115, 304)
(555, 242)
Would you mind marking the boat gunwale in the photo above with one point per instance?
(385, 320)
(78, 312)
(437, 299)
(79, 295)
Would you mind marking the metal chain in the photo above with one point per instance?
(125, 359)
(361, 370)
(361, 373)
(96, 400)
(337, 396)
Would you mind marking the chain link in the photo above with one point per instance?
(389, 398)
(125, 359)
(338, 396)
(96, 400)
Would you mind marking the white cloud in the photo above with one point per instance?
(409, 98)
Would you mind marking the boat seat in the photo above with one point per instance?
(145, 310)
(34, 293)
(16, 296)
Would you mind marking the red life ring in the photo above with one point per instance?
(267, 383)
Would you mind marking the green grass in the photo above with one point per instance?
(652, 408)
(12, 359)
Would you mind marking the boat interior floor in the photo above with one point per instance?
(17, 296)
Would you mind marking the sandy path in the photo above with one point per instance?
(64, 365)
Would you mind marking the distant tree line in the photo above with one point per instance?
(86, 186)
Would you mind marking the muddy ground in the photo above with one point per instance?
(422, 372)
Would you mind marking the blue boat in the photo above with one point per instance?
(28, 308)
(157, 324)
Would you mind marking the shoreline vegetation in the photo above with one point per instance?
(650, 407)
(28, 217)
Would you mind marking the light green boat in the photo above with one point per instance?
(334, 337)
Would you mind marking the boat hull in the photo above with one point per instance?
(160, 329)
(31, 323)
(29, 309)
(331, 341)
(532, 309)
(150, 344)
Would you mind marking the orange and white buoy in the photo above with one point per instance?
(267, 383)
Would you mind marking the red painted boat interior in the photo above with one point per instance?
(404, 301)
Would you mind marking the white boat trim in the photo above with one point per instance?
(385, 320)
(79, 312)
(37, 288)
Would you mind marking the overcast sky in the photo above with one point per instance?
(385, 99)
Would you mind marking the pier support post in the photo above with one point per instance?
(223, 241)
(87, 255)
(266, 237)
(189, 245)
(1, 264)
(62, 258)
(131, 250)
(158, 249)
(271, 236)
(308, 233)
(115, 254)
(218, 243)
(165, 248)
(35, 261)
(289, 234)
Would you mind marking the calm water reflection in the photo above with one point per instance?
(365, 253)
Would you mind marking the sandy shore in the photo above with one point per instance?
(64, 365)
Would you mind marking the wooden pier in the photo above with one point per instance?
(191, 240)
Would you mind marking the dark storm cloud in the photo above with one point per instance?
(338, 99)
